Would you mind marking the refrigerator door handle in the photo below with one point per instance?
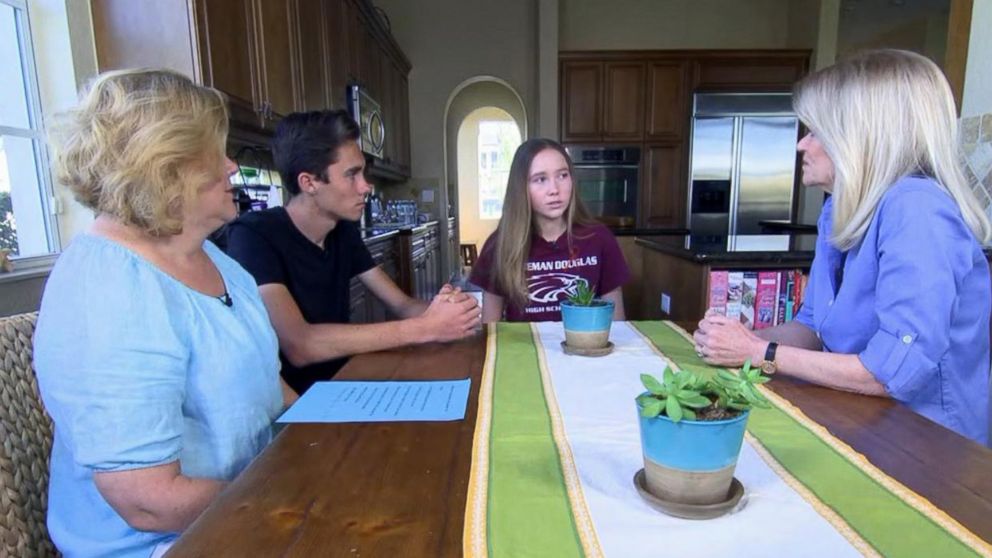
(735, 178)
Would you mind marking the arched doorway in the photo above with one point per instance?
(487, 140)
(480, 92)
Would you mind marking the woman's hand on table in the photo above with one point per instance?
(724, 341)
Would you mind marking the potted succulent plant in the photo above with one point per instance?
(692, 429)
(586, 319)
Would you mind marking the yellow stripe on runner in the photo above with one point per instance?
(580, 510)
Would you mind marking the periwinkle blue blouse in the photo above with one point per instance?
(913, 303)
(138, 370)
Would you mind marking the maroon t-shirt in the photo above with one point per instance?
(554, 270)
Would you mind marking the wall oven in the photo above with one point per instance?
(368, 115)
(606, 179)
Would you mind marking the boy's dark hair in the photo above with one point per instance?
(309, 142)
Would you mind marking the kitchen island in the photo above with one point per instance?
(678, 268)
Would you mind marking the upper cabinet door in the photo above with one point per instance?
(667, 94)
(772, 72)
(623, 110)
(581, 100)
(314, 67)
(338, 53)
(277, 59)
(226, 49)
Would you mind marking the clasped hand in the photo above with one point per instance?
(724, 341)
(452, 314)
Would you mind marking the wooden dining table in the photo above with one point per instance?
(399, 489)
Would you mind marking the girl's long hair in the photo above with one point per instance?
(882, 115)
(516, 226)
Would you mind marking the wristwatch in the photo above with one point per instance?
(768, 366)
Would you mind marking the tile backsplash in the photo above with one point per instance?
(976, 142)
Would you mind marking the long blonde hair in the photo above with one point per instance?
(139, 146)
(882, 115)
(513, 234)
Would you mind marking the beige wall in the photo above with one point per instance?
(450, 41)
(672, 24)
(473, 230)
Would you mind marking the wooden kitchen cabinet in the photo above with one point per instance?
(224, 32)
(602, 101)
(365, 306)
(420, 262)
(663, 198)
(270, 57)
(667, 106)
(623, 101)
(338, 51)
(241, 47)
(276, 36)
(742, 71)
(581, 101)
(315, 23)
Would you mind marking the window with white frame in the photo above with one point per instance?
(27, 226)
(498, 140)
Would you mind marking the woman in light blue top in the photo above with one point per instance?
(898, 299)
(154, 352)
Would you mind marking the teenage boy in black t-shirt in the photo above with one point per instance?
(304, 256)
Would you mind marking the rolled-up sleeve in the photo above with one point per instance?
(112, 371)
(923, 251)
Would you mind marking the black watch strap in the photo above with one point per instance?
(770, 352)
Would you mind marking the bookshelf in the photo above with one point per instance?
(759, 298)
(678, 277)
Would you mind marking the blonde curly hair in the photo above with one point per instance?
(139, 146)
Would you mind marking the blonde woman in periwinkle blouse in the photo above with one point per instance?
(899, 296)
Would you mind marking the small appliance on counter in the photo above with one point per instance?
(395, 214)
(368, 114)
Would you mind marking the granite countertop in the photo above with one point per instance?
(372, 235)
(378, 233)
(621, 231)
(796, 248)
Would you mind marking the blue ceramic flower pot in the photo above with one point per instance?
(587, 327)
(691, 461)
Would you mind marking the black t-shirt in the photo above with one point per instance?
(273, 250)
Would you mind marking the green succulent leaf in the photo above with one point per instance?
(652, 408)
(689, 414)
(697, 401)
(652, 384)
(583, 295)
(673, 409)
(669, 377)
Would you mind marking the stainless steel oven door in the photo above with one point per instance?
(609, 192)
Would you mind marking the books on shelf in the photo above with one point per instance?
(760, 299)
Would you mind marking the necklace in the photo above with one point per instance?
(226, 299)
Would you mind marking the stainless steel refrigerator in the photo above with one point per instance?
(743, 162)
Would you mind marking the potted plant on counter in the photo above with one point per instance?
(587, 321)
(692, 428)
